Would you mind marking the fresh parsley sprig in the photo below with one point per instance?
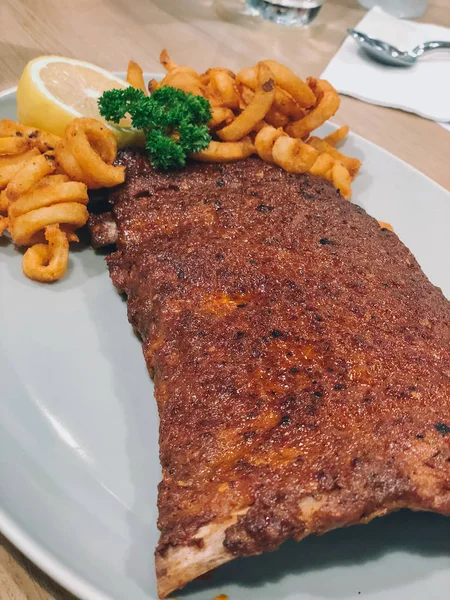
(174, 122)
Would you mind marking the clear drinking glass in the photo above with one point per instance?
(293, 13)
(234, 10)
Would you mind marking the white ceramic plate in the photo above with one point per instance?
(78, 434)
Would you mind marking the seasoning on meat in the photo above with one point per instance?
(302, 385)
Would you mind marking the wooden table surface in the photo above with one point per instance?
(110, 32)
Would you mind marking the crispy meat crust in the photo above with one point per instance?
(301, 359)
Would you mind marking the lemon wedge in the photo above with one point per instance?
(53, 90)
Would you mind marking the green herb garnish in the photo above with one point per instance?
(174, 122)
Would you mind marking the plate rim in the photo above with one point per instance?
(47, 561)
(24, 542)
(11, 90)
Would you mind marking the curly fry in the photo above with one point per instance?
(276, 118)
(14, 145)
(49, 195)
(8, 172)
(34, 199)
(351, 164)
(87, 152)
(153, 85)
(247, 79)
(209, 72)
(66, 159)
(337, 136)
(245, 95)
(287, 105)
(185, 80)
(51, 179)
(4, 203)
(29, 174)
(293, 155)
(39, 205)
(284, 106)
(342, 180)
(218, 152)
(135, 77)
(220, 116)
(14, 159)
(300, 91)
(47, 262)
(222, 83)
(324, 163)
(248, 76)
(24, 228)
(42, 140)
(328, 103)
(166, 61)
(265, 141)
(256, 111)
(4, 222)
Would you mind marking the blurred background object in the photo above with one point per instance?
(235, 10)
(403, 9)
(292, 13)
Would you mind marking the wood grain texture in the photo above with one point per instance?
(20, 579)
(110, 32)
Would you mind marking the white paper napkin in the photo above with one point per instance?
(423, 89)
